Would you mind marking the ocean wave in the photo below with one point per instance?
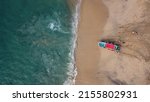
(72, 69)
(55, 25)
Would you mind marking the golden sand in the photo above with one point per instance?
(117, 22)
(92, 20)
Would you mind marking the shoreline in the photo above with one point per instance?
(93, 16)
(105, 19)
(72, 70)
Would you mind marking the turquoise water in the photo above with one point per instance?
(35, 41)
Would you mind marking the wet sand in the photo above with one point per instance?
(93, 17)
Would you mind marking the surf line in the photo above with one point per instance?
(72, 72)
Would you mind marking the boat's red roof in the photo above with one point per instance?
(111, 46)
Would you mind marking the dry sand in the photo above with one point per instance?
(127, 23)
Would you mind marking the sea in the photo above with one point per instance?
(37, 42)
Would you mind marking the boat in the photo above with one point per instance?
(109, 45)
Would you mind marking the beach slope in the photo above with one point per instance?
(93, 16)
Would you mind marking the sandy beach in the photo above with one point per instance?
(123, 21)
(92, 20)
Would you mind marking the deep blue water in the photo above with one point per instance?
(35, 41)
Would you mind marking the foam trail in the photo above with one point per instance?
(72, 72)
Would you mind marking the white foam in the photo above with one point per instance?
(55, 25)
(72, 70)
